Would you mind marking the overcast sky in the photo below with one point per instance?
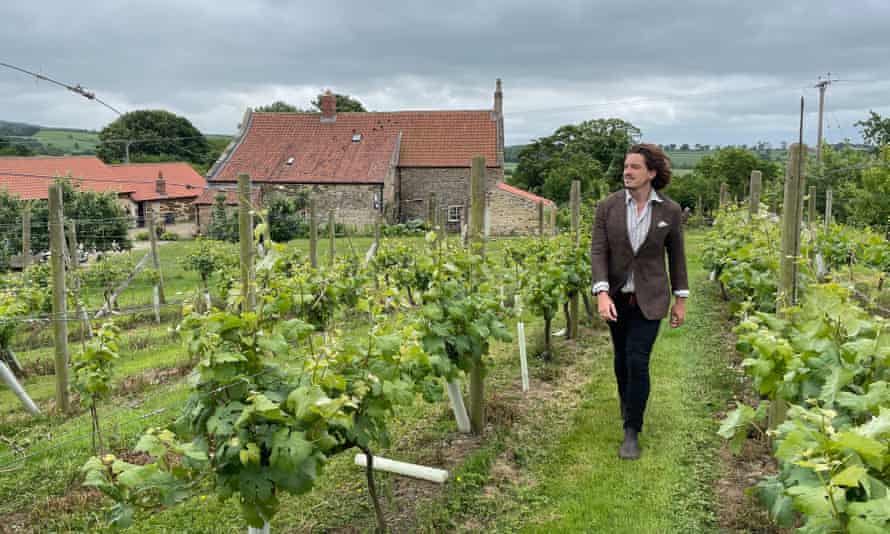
(705, 71)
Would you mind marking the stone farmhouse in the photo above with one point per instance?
(371, 164)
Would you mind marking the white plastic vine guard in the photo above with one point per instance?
(402, 468)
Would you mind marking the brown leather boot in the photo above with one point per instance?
(630, 449)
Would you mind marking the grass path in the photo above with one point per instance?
(583, 484)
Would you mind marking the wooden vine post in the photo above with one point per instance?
(477, 246)
(245, 234)
(541, 219)
(86, 329)
(755, 188)
(811, 207)
(431, 211)
(575, 201)
(332, 236)
(60, 326)
(159, 297)
(26, 235)
(313, 234)
(829, 199)
(792, 215)
(724, 195)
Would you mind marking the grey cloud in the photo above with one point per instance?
(208, 60)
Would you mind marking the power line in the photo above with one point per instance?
(99, 180)
(77, 89)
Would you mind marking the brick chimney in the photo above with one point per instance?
(499, 117)
(328, 107)
(498, 97)
(161, 184)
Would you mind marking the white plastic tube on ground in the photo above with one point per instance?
(457, 406)
(9, 379)
(401, 468)
(254, 530)
(157, 304)
(523, 359)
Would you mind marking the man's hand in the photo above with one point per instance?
(606, 306)
(678, 312)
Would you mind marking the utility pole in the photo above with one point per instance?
(822, 85)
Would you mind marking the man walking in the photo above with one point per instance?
(633, 231)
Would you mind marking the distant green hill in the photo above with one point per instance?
(67, 141)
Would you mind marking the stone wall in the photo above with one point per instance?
(353, 204)
(205, 216)
(451, 185)
(511, 214)
(182, 209)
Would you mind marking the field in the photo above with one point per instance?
(686, 159)
(69, 142)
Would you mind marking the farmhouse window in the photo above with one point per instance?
(454, 213)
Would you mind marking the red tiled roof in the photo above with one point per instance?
(26, 177)
(524, 194)
(181, 180)
(208, 197)
(324, 152)
(22, 177)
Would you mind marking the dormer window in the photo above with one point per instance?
(290, 160)
(356, 137)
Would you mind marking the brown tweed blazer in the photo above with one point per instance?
(612, 258)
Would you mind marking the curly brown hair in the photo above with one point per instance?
(656, 160)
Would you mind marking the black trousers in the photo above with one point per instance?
(632, 337)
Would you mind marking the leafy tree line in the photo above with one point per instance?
(101, 222)
(285, 214)
(345, 103)
(18, 129)
(592, 152)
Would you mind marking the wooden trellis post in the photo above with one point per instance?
(60, 311)
(756, 185)
(313, 234)
(245, 234)
(477, 245)
(575, 199)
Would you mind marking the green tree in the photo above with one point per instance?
(868, 203)
(155, 135)
(875, 129)
(345, 103)
(730, 165)
(222, 227)
(841, 170)
(573, 148)
(286, 217)
(102, 223)
(279, 106)
(571, 166)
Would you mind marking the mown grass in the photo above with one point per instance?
(572, 478)
(669, 489)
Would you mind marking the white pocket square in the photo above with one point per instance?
(662, 224)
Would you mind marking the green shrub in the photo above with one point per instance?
(142, 236)
(169, 236)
